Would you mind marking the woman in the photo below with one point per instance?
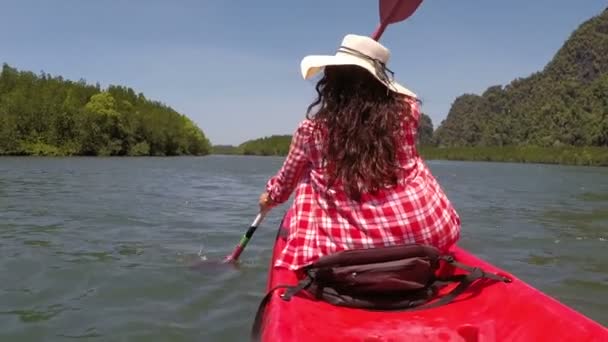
(358, 179)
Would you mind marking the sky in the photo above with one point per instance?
(234, 66)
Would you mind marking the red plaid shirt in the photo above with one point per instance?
(323, 222)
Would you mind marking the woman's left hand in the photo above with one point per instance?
(265, 202)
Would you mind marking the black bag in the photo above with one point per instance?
(390, 278)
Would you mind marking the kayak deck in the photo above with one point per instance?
(486, 311)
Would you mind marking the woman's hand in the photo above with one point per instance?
(265, 202)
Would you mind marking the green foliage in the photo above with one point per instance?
(425, 130)
(140, 149)
(225, 149)
(44, 115)
(275, 145)
(566, 104)
(39, 149)
(587, 156)
(278, 145)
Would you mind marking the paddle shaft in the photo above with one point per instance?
(245, 239)
(384, 23)
(392, 11)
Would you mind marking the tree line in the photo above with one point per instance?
(45, 115)
(278, 145)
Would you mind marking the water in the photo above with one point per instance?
(97, 248)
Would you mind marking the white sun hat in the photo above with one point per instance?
(357, 50)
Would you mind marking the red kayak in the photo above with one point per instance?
(492, 311)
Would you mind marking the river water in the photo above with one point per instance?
(97, 248)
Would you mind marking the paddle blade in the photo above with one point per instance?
(233, 257)
(392, 11)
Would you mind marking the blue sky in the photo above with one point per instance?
(233, 66)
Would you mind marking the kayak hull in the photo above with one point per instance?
(487, 311)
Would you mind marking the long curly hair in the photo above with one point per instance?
(362, 123)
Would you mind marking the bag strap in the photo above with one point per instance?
(293, 290)
(465, 281)
(450, 259)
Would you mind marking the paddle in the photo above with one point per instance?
(393, 11)
(233, 257)
(244, 240)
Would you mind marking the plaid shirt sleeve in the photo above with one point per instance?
(415, 110)
(280, 186)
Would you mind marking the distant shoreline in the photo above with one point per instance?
(580, 156)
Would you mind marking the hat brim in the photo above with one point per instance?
(312, 65)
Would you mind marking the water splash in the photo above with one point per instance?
(201, 255)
